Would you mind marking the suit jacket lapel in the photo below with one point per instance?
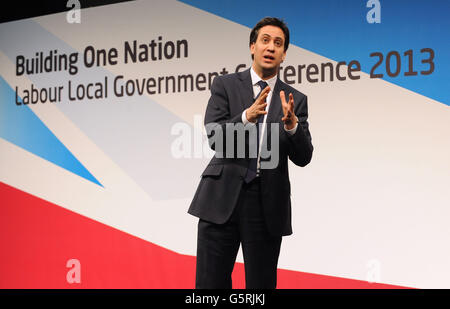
(275, 104)
(246, 89)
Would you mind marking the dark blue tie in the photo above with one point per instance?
(252, 165)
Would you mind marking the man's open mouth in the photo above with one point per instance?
(268, 57)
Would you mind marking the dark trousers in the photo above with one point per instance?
(218, 244)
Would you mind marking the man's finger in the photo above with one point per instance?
(262, 98)
(291, 103)
(282, 97)
(264, 92)
(262, 106)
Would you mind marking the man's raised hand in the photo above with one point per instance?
(289, 118)
(258, 107)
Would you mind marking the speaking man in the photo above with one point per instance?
(242, 199)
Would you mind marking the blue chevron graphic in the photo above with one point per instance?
(20, 126)
(338, 29)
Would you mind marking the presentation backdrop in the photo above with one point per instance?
(102, 141)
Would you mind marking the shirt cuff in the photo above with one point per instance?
(244, 118)
(291, 131)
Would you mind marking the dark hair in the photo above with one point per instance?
(270, 21)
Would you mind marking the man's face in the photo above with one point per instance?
(268, 50)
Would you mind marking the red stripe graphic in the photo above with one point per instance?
(38, 238)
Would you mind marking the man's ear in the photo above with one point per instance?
(252, 49)
(283, 57)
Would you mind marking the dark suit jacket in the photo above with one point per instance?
(222, 180)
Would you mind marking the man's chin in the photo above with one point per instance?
(269, 68)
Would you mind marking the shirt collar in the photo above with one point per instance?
(255, 78)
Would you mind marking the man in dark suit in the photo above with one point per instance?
(240, 199)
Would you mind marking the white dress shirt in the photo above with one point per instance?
(256, 90)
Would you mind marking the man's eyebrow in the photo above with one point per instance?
(266, 34)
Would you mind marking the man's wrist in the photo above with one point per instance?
(244, 118)
(291, 130)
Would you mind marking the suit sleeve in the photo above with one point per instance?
(300, 145)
